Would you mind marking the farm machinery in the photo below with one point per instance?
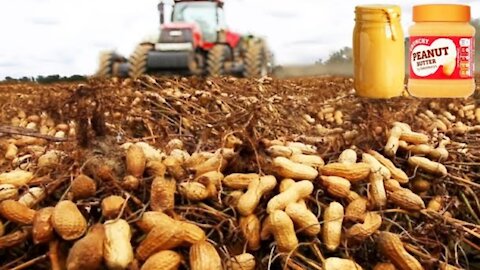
(195, 41)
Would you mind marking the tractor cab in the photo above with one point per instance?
(207, 15)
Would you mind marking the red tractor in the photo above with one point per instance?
(197, 42)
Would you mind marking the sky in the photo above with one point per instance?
(44, 37)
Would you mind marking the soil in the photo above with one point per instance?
(202, 113)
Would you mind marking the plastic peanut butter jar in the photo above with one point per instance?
(378, 51)
(442, 48)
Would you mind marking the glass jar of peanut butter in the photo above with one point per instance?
(378, 51)
(442, 48)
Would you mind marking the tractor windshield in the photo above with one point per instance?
(205, 14)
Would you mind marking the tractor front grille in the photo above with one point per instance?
(176, 36)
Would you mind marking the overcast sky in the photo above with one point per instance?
(43, 37)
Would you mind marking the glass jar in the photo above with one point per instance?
(378, 51)
(442, 51)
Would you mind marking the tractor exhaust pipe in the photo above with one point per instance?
(161, 10)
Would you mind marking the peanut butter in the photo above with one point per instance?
(379, 51)
(442, 48)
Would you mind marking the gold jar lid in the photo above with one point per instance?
(441, 13)
(380, 13)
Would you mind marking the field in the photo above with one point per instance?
(152, 160)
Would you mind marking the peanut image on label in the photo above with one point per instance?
(449, 66)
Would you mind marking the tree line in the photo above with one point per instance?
(46, 79)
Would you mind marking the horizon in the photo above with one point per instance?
(48, 38)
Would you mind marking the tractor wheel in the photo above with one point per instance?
(256, 60)
(138, 60)
(105, 67)
(216, 59)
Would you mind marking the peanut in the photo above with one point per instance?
(256, 189)
(332, 228)
(194, 191)
(309, 160)
(204, 256)
(356, 210)
(239, 180)
(406, 199)
(250, 226)
(294, 193)
(303, 218)
(414, 137)
(117, 249)
(352, 172)
(384, 266)
(159, 238)
(112, 205)
(198, 158)
(428, 165)
(210, 178)
(282, 151)
(174, 165)
(130, 182)
(266, 230)
(16, 212)
(289, 169)
(11, 152)
(232, 198)
(435, 204)
(8, 191)
(49, 160)
(393, 141)
(191, 233)
(392, 247)
(68, 221)
(405, 127)
(377, 190)
(285, 184)
(83, 187)
(216, 163)
(135, 161)
(396, 173)
(440, 153)
(232, 141)
(151, 219)
(16, 177)
(182, 155)
(42, 229)
(348, 156)
(14, 238)
(421, 149)
(360, 232)
(304, 148)
(336, 186)
(334, 263)
(420, 185)
(173, 144)
(156, 168)
(282, 228)
(87, 253)
(163, 260)
(162, 194)
(245, 261)
(392, 185)
(33, 195)
(376, 166)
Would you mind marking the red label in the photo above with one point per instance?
(441, 58)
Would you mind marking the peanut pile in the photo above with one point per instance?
(283, 202)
